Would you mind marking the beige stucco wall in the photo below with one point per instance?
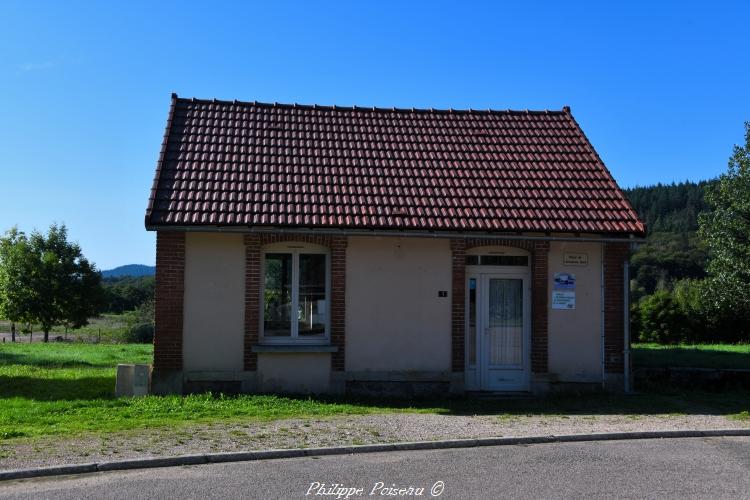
(575, 336)
(395, 320)
(294, 372)
(214, 307)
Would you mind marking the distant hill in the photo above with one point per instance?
(670, 207)
(129, 270)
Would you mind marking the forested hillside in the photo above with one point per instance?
(127, 293)
(669, 207)
(672, 251)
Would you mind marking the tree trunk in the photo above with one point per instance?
(12, 332)
(46, 336)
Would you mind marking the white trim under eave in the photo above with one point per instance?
(628, 238)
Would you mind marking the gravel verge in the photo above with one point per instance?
(337, 431)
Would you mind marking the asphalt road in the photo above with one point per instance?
(667, 468)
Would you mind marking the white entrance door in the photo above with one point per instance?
(503, 333)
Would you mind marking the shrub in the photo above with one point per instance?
(140, 325)
(688, 295)
(687, 315)
(661, 319)
(140, 334)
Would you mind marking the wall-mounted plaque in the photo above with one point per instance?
(575, 259)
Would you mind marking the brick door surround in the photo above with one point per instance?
(539, 253)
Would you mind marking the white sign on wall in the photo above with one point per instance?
(563, 300)
(575, 259)
(564, 291)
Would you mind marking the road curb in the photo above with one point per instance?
(244, 456)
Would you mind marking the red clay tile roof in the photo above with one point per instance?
(253, 164)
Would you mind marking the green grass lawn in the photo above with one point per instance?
(692, 356)
(67, 389)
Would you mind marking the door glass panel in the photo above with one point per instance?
(505, 327)
(312, 295)
(472, 337)
(277, 298)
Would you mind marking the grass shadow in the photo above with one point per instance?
(57, 389)
(650, 402)
(8, 358)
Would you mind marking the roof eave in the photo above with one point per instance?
(160, 162)
(624, 237)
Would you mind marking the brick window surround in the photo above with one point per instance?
(615, 256)
(169, 294)
(253, 286)
(539, 251)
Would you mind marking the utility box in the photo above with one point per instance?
(132, 380)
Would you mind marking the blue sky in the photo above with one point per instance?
(661, 88)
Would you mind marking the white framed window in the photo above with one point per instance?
(295, 298)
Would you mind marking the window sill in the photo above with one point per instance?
(294, 348)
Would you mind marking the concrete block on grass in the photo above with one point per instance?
(132, 380)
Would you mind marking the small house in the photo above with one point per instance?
(326, 249)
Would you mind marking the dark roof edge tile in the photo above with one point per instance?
(160, 161)
(353, 230)
(336, 107)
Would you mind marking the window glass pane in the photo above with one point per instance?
(277, 298)
(312, 295)
(505, 260)
(472, 343)
(497, 260)
(517, 260)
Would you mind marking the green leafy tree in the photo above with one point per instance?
(16, 272)
(48, 280)
(726, 232)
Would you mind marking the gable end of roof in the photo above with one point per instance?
(160, 161)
